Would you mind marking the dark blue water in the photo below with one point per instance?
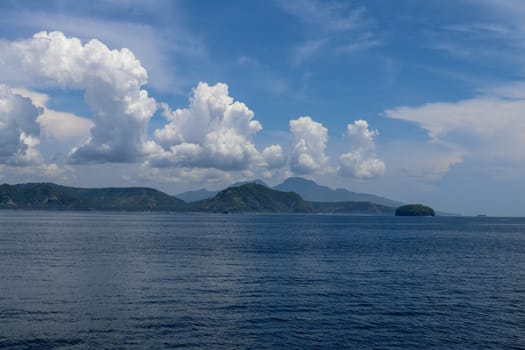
(98, 280)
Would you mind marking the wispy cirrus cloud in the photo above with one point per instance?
(330, 28)
(487, 127)
(329, 16)
(494, 31)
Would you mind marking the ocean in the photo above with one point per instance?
(71, 280)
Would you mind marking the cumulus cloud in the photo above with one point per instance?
(361, 162)
(56, 125)
(360, 136)
(19, 130)
(213, 132)
(207, 177)
(274, 156)
(355, 164)
(163, 46)
(112, 81)
(309, 140)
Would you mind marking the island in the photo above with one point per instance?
(414, 210)
(247, 198)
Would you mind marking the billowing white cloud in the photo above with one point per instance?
(360, 136)
(206, 177)
(309, 140)
(60, 126)
(112, 81)
(361, 162)
(274, 156)
(163, 46)
(213, 132)
(355, 164)
(19, 130)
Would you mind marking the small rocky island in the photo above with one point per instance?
(414, 210)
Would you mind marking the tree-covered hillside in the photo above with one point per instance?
(52, 196)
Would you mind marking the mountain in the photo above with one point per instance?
(200, 194)
(52, 196)
(252, 197)
(197, 195)
(311, 191)
(256, 181)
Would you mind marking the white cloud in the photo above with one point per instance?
(64, 127)
(360, 136)
(59, 126)
(362, 161)
(112, 82)
(206, 177)
(489, 127)
(274, 156)
(309, 140)
(213, 132)
(19, 130)
(355, 164)
(153, 44)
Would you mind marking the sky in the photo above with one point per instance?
(418, 101)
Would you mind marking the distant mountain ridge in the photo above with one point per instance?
(312, 191)
(256, 181)
(196, 195)
(307, 189)
(200, 194)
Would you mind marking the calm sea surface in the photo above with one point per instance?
(123, 280)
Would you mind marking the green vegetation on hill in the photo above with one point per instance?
(414, 210)
(356, 208)
(51, 196)
(250, 197)
(254, 197)
(258, 198)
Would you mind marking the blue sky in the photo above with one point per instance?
(420, 101)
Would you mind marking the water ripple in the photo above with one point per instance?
(135, 281)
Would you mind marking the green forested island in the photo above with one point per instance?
(250, 197)
(52, 196)
(414, 210)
